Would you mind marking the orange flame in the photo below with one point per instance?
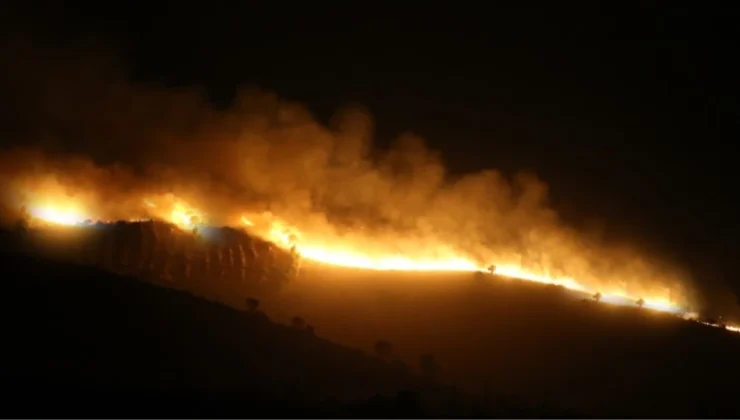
(176, 211)
(337, 253)
(59, 215)
(283, 235)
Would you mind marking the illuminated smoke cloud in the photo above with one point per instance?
(90, 135)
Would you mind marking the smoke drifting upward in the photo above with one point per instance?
(90, 134)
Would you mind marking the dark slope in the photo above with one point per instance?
(218, 262)
(81, 342)
(493, 335)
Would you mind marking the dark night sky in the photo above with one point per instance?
(630, 115)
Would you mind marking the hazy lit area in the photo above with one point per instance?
(49, 197)
(133, 152)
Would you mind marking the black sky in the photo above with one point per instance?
(630, 113)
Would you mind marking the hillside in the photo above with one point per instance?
(81, 342)
(531, 341)
(513, 345)
(216, 262)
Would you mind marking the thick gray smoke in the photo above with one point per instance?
(76, 120)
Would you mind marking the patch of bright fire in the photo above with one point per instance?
(281, 234)
(67, 216)
(176, 212)
(187, 217)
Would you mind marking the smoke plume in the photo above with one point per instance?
(75, 124)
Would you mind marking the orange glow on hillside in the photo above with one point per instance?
(59, 215)
(52, 208)
(338, 254)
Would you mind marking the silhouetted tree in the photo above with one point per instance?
(20, 228)
(640, 302)
(597, 296)
(384, 349)
(429, 366)
(407, 404)
(400, 365)
(298, 322)
(252, 304)
(310, 329)
(721, 323)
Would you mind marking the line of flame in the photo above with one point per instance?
(187, 217)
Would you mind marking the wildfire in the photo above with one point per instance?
(180, 213)
(176, 211)
(172, 209)
(67, 211)
(59, 215)
(288, 237)
(519, 273)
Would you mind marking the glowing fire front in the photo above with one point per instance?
(58, 215)
(288, 237)
(175, 211)
(73, 211)
(171, 209)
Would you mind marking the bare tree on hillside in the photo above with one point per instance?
(384, 349)
(429, 366)
(252, 304)
(298, 323)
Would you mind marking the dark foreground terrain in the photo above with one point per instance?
(495, 336)
(85, 341)
(78, 341)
